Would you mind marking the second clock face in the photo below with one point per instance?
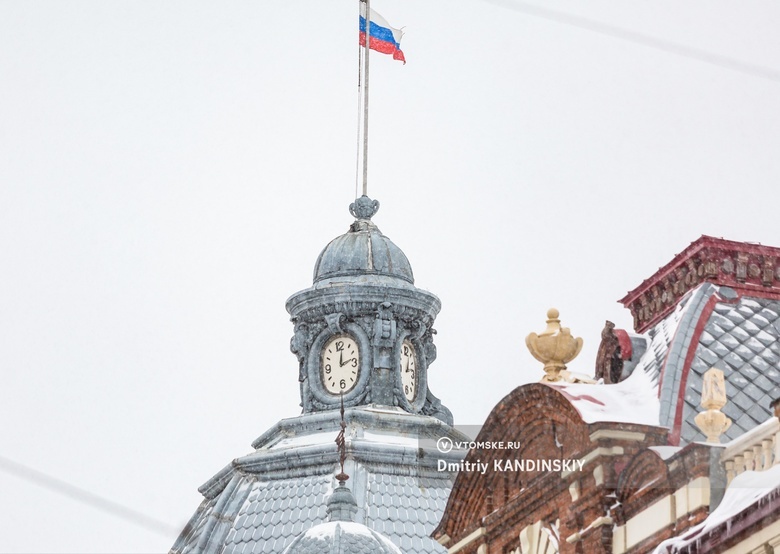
(408, 370)
(340, 364)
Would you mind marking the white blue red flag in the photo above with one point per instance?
(384, 38)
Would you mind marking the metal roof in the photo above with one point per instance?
(713, 326)
(261, 502)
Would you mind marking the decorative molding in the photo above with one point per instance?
(593, 454)
(744, 266)
(315, 395)
(334, 322)
(618, 434)
(539, 538)
(352, 308)
(466, 541)
(364, 207)
(384, 326)
(595, 524)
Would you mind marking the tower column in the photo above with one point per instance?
(385, 336)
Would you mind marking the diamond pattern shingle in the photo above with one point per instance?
(743, 340)
(740, 337)
(277, 511)
(406, 509)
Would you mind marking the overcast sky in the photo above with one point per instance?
(169, 173)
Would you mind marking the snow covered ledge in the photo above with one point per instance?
(746, 518)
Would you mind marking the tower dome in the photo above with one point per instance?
(363, 331)
(363, 251)
(341, 535)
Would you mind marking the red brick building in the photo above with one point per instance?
(624, 466)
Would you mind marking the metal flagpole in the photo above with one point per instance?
(365, 98)
(358, 119)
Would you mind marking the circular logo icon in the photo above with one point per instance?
(444, 445)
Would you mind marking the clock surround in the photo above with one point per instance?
(322, 395)
(340, 375)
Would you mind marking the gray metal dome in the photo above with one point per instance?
(341, 535)
(363, 250)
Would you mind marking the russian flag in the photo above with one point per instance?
(384, 38)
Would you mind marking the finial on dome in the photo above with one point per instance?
(554, 347)
(341, 504)
(364, 207)
(712, 422)
(341, 443)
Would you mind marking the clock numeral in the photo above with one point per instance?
(406, 390)
(327, 368)
(343, 384)
(406, 350)
(354, 362)
(339, 345)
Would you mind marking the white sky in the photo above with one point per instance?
(170, 171)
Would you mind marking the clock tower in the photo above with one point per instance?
(363, 334)
(363, 331)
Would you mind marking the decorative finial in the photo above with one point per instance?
(554, 347)
(713, 423)
(342, 445)
(341, 504)
(364, 207)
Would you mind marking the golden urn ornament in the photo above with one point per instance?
(554, 347)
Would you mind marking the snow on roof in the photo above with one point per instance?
(633, 400)
(328, 529)
(660, 338)
(745, 490)
(342, 536)
(312, 439)
(666, 452)
(329, 437)
(389, 438)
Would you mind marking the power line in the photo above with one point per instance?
(640, 38)
(86, 497)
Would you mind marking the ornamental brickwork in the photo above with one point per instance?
(743, 266)
(503, 512)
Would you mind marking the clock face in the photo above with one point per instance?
(340, 364)
(408, 370)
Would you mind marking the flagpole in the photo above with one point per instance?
(365, 97)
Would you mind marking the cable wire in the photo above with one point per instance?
(640, 38)
(86, 497)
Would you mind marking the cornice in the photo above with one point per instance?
(752, 269)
